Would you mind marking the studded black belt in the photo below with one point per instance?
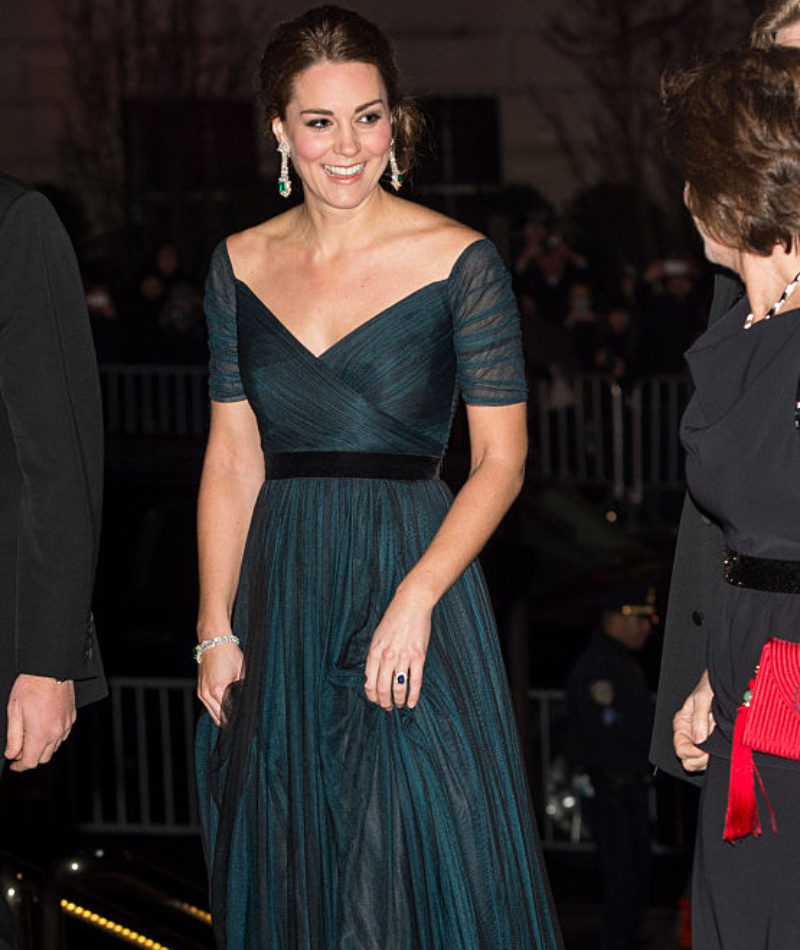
(383, 465)
(761, 573)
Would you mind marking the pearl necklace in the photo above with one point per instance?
(777, 305)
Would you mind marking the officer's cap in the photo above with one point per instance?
(637, 600)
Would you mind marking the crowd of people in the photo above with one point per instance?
(158, 318)
(577, 318)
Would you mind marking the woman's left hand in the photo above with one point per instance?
(399, 645)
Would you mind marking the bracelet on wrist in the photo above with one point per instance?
(204, 645)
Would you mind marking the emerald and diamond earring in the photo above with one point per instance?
(284, 181)
(397, 178)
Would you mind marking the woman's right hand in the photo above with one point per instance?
(219, 667)
(693, 723)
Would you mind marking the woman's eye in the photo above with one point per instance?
(318, 123)
(370, 118)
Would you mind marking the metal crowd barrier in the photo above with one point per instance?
(656, 407)
(589, 431)
(145, 399)
(585, 431)
(133, 761)
(134, 771)
(578, 431)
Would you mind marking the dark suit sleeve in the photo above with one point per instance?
(696, 574)
(49, 384)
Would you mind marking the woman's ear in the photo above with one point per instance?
(277, 130)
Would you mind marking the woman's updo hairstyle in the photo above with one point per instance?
(332, 34)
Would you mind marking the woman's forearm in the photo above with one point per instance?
(224, 511)
(477, 510)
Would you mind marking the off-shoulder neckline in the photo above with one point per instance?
(457, 264)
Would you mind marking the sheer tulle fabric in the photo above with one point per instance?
(330, 824)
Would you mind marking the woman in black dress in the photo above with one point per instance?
(733, 130)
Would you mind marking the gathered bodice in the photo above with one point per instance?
(391, 384)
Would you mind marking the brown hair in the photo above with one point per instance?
(777, 15)
(732, 128)
(335, 35)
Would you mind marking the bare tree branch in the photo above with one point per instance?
(618, 49)
(128, 50)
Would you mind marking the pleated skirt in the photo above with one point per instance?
(329, 823)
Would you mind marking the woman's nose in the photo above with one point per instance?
(346, 141)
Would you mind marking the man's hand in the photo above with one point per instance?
(41, 712)
(693, 724)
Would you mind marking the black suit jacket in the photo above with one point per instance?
(696, 573)
(51, 453)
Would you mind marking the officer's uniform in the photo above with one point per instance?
(610, 717)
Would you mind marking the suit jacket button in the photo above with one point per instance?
(697, 618)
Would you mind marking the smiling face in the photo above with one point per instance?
(338, 126)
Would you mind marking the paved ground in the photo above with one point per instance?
(574, 879)
(576, 886)
(581, 923)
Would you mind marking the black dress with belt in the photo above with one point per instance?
(742, 437)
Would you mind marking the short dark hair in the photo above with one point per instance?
(331, 34)
(732, 128)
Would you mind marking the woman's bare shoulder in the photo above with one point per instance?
(248, 248)
(440, 239)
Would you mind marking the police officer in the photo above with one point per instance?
(610, 716)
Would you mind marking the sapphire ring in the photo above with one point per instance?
(400, 678)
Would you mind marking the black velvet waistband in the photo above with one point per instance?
(762, 573)
(388, 465)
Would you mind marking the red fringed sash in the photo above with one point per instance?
(741, 817)
(767, 721)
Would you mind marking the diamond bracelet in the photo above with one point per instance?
(204, 645)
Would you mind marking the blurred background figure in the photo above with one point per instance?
(609, 713)
(103, 317)
(617, 343)
(545, 269)
(581, 322)
(163, 313)
(674, 306)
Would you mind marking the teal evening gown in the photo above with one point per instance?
(329, 823)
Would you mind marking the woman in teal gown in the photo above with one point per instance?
(360, 777)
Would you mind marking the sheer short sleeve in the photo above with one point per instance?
(486, 331)
(224, 383)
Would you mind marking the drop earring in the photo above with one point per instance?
(284, 181)
(397, 178)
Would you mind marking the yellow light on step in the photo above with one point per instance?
(110, 926)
